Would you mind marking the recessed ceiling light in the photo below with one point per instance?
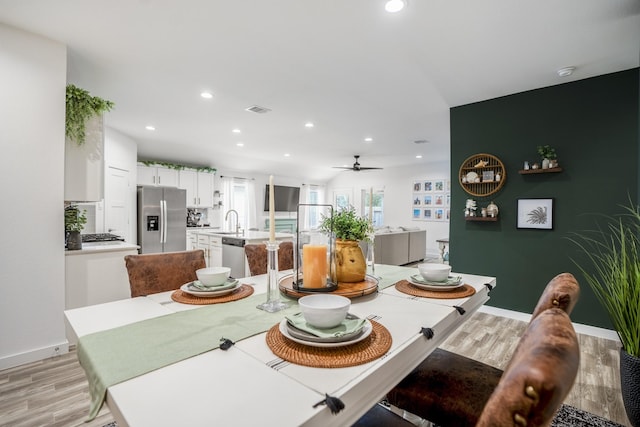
(419, 156)
(287, 155)
(566, 71)
(308, 125)
(149, 127)
(236, 130)
(368, 139)
(206, 95)
(240, 144)
(393, 6)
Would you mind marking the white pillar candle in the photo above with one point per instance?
(272, 209)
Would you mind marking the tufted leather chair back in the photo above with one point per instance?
(257, 257)
(153, 273)
(561, 292)
(540, 374)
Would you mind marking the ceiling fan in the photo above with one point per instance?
(356, 166)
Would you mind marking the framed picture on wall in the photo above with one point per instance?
(416, 213)
(535, 213)
(428, 186)
(417, 187)
(438, 185)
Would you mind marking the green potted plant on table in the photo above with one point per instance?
(349, 229)
(74, 221)
(613, 273)
(548, 155)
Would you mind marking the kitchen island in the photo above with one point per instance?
(224, 248)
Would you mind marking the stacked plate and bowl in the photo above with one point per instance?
(325, 321)
(435, 277)
(212, 282)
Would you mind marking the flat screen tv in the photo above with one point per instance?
(286, 199)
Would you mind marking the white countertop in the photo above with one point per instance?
(101, 247)
(247, 235)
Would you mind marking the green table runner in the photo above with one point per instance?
(116, 355)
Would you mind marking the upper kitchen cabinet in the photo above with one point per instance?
(157, 175)
(199, 186)
(84, 164)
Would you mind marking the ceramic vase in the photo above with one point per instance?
(351, 266)
(630, 386)
(74, 240)
(545, 163)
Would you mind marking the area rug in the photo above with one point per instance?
(567, 416)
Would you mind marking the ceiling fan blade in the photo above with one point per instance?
(365, 168)
(356, 166)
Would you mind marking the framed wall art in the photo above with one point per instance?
(535, 213)
(431, 200)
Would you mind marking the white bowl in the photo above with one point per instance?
(213, 276)
(434, 272)
(323, 310)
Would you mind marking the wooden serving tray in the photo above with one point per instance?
(350, 290)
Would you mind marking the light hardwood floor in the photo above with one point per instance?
(54, 392)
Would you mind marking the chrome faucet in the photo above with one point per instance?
(237, 219)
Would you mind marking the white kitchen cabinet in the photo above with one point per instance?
(84, 164)
(212, 247)
(199, 186)
(156, 175)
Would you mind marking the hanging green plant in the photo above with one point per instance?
(80, 107)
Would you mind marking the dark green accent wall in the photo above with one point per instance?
(593, 124)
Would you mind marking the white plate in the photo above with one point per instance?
(216, 293)
(366, 331)
(434, 287)
(471, 177)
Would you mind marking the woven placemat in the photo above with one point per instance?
(407, 288)
(243, 291)
(370, 348)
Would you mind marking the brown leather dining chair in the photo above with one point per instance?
(452, 390)
(257, 257)
(153, 273)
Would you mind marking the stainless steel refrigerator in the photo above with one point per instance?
(162, 219)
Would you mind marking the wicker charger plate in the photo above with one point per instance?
(350, 290)
(371, 348)
(463, 291)
(243, 291)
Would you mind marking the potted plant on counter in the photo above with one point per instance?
(613, 273)
(349, 229)
(74, 221)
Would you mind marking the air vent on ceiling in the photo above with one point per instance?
(420, 141)
(258, 109)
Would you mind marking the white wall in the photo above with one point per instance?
(32, 84)
(397, 184)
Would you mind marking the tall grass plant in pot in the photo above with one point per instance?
(613, 273)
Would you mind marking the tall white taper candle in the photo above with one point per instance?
(272, 209)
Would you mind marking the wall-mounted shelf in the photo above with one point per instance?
(487, 169)
(481, 218)
(534, 171)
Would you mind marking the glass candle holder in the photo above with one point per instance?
(314, 251)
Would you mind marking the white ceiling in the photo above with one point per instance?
(348, 66)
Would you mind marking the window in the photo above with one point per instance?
(375, 208)
(239, 195)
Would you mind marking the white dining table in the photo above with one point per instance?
(247, 385)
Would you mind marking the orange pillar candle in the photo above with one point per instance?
(314, 266)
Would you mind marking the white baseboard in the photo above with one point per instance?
(34, 355)
(525, 317)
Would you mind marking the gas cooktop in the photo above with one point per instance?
(101, 237)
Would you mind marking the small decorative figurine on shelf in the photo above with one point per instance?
(526, 165)
(492, 210)
(470, 208)
(481, 164)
